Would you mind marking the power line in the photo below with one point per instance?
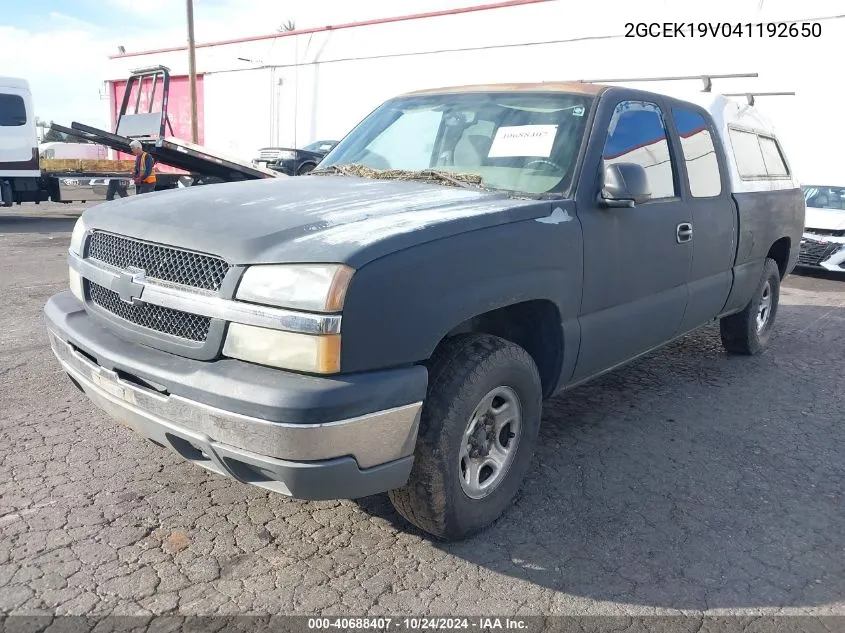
(431, 52)
(468, 49)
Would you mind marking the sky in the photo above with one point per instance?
(62, 46)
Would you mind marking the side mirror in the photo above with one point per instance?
(624, 185)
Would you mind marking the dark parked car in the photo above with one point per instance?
(294, 162)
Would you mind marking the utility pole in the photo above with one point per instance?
(192, 73)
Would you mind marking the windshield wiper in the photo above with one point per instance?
(439, 176)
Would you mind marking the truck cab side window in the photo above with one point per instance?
(705, 180)
(637, 134)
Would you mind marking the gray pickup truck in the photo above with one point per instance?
(395, 320)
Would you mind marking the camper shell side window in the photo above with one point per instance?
(758, 156)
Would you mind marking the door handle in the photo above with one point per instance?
(684, 232)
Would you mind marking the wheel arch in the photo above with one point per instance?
(534, 325)
(305, 167)
(780, 251)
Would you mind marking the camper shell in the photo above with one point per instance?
(730, 117)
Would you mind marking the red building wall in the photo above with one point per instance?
(178, 106)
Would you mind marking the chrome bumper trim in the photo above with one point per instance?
(372, 439)
(207, 304)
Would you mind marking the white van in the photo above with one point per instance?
(18, 141)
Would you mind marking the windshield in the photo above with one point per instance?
(320, 146)
(520, 142)
(824, 197)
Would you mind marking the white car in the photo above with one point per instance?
(823, 242)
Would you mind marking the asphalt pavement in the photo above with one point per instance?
(687, 482)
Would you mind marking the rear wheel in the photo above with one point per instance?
(477, 435)
(748, 332)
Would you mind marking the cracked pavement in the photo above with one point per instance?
(688, 482)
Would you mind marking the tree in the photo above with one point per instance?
(52, 136)
(286, 27)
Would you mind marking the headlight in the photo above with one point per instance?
(288, 350)
(76, 285)
(286, 155)
(314, 287)
(77, 237)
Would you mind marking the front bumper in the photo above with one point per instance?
(822, 252)
(300, 444)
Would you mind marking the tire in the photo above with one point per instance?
(305, 169)
(744, 332)
(464, 371)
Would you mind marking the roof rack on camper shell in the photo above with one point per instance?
(751, 95)
(708, 84)
(707, 79)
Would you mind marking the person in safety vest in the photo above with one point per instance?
(144, 177)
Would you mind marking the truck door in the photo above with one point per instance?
(713, 232)
(636, 260)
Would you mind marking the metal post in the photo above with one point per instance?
(751, 95)
(192, 73)
(153, 92)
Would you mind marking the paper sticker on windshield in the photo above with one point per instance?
(523, 140)
(578, 111)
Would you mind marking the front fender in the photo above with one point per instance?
(398, 308)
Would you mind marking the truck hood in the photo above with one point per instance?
(334, 219)
(825, 219)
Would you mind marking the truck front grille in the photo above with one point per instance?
(159, 262)
(191, 327)
(812, 253)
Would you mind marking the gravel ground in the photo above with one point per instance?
(686, 482)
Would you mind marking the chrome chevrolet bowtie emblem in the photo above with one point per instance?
(129, 285)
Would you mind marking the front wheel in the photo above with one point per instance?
(748, 332)
(477, 435)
